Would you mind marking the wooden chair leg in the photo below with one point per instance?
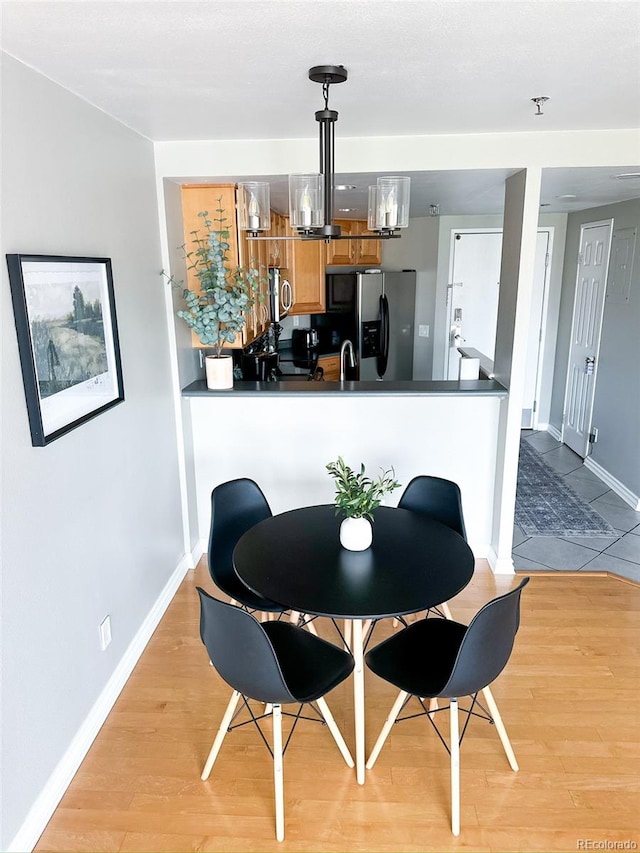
(224, 725)
(455, 767)
(502, 732)
(433, 706)
(347, 634)
(311, 628)
(335, 731)
(277, 771)
(445, 609)
(393, 713)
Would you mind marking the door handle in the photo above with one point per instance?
(286, 295)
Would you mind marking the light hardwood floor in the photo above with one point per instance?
(568, 698)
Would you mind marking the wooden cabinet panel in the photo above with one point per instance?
(214, 198)
(278, 248)
(306, 275)
(342, 252)
(368, 252)
(330, 364)
(353, 252)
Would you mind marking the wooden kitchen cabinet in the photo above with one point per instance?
(254, 254)
(306, 275)
(353, 252)
(341, 253)
(368, 252)
(330, 364)
(213, 198)
(278, 249)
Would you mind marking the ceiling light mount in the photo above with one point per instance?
(539, 102)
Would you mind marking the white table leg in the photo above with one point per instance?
(358, 697)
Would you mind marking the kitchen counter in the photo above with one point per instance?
(303, 387)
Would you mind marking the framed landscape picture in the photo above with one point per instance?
(65, 318)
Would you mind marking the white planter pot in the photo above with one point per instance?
(356, 534)
(219, 372)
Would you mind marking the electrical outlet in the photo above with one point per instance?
(423, 331)
(296, 321)
(105, 632)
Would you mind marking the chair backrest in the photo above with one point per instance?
(241, 651)
(486, 645)
(437, 498)
(236, 506)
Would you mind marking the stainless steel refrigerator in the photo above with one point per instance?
(385, 318)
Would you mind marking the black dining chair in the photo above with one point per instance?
(439, 499)
(275, 663)
(236, 506)
(443, 659)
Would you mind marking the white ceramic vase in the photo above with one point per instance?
(219, 372)
(356, 534)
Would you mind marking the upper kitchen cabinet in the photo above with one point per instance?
(219, 202)
(254, 254)
(353, 252)
(368, 252)
(278, 248)
(306, 275)
(340, 253)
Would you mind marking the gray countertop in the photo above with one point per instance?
(417, 388)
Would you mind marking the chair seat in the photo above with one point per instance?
(310, 665)
(234, 588)
(419, 659)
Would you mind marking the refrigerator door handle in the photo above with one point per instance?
(383, 357)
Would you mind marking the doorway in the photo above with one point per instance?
(588, 311)
(472, 305)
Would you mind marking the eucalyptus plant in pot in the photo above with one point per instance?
(216, 310)
(357, 495)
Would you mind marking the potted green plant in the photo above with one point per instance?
(216, 311)
(357, 495)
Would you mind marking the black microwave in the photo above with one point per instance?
(340, 295)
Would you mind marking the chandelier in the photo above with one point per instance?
(311, 196)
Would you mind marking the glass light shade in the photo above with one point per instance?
(389, 204)
(254, 208)
(306, 201)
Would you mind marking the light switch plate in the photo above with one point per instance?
(423, 331)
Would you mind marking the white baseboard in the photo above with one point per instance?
(46, 803)
(619, 488)
(500, 565)
(196, 553)
(554, 433)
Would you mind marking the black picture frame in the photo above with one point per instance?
(65, 316)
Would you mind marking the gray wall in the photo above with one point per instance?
(617, 397)
(91, 524)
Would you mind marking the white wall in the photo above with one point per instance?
(91, 523)
(449, 436)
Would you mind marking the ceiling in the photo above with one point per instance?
(237, 69)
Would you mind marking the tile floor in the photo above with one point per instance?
(619, 555)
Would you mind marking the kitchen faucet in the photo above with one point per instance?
(346, 345)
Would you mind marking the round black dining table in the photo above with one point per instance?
(296, 559)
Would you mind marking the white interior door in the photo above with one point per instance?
(588, 308)
(473, 305)
(472, 295)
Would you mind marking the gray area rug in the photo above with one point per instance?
(547, 506)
